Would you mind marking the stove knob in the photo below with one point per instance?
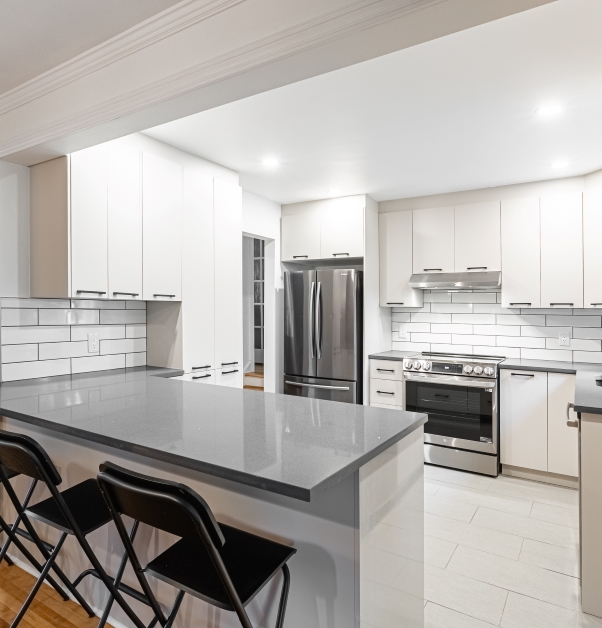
(478, 370)
(426, 366)
(488, 371)
(467, 369)
(407, 365)
(416, 365)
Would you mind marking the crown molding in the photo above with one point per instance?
(325, 28)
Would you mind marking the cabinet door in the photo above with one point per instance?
(162, 229)
(124, 222)
(227, 219)
(89, 267)
(341, 231)
(198, 269)
(524, 419)
(395, 243)
(301, 236)
(521, 253)
(433, 240)
(230, 377)
(562, 250)
(477, 237)
(563, 441)
(592, 248)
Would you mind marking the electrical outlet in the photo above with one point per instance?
(403, 333)
(92, 343)
(564, 340)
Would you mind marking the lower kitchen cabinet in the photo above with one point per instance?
(524, 419)
(230, 377)
(386, 384)
(533, 430)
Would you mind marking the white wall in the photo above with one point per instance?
(247, 305)
(14, 230)
(261, 219)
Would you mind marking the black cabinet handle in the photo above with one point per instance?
(477, 268)
(128, 294)
(520, 304)
(393, 303)
(300, 256)
(170, 296)
(196, 368)
(202, 376)
(442, 396)
(227, 372)
(561, 303)
(426, 270)
(335, 254)
(229, 363)
(90, 292)
(386, 370)
(521, 375)
(384, 392)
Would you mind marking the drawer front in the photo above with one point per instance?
(386, 369)
(201, 377)
(384, 406)
(231, 376)
(386, 391)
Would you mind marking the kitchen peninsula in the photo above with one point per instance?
(319, 475)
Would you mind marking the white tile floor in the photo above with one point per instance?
(498, 552)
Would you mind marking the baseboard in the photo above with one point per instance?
(541, 476)
(30, 570)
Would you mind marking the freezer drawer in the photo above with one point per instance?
(314, 388)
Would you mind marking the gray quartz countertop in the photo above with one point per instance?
(289, 445)
(392, 355)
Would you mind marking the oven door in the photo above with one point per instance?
(462, 411)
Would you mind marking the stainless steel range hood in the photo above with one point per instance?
(457, 281)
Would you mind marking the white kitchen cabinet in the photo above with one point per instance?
(386, 392)
(477, 237)
(341, 230)
(433, 240)
(124, 205)
(198, 270)
(562, 250)
(395, 249)
(89, 254)
(231, 377)
(521, 253)
(301, 236)
(563, 441)
(162, 229)
(227, 217)
(524, 419)
(592, 248)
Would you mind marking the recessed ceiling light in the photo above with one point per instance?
(271, 162)
(561, 163)
(549, 110)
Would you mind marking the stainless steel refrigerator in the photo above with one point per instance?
(323, 334)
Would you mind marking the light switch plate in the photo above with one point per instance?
(403, 333)
(92, 343)
(564, 340)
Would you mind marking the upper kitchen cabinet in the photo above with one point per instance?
(301, 236)
(89, 237)
(562, 250)
(521, 253)
(433, 240)
(592, 248)
(395, 245)
(477, 237)
(162, 210)
(325, 229)
(124, 205)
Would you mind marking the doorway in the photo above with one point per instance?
(254, 312)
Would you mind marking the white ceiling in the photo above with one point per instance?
(456, 113)
(37, 35)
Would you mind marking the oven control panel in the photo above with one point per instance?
(450, 368)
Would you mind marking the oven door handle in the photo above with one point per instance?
(469, 382)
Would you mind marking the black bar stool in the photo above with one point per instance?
(76, 511)
(217, 563)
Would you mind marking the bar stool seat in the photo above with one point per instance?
(86, 503)
(251, 562)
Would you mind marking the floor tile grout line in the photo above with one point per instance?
(504, 609)
(451, 556)
(449, 608)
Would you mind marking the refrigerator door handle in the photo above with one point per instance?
(319, 320)
(311, 319)
(301, 385)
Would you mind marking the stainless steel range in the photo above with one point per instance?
(460, 395)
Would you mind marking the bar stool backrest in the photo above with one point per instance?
(168, 506)
(22, 454)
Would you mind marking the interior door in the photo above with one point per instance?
(336, 324)
(299, 303)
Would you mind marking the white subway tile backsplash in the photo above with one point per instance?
(31, 370)
(420, 317)
(473, 340)
(492, 308)
(473, 297)
(68, 317)
(546, 354)
(585, 312)
(452, 308)
(545, 332)
(135, 359)
(451, 328)
(587, 332)
(418, 327)
(97, 363)
(587, 356)
(19, 317)
(556, 311)
(500, 352)
(573, 321)
(437, 297)
(577, 344)
(468, 349)
(438, 338)
(521, 341)
(520, 319)
(400, 317)
(122, 317)
(97, 304)
(139, 331)
(28, 335)
(19, 353)
(497, 330)
(127, 345)
(410, 346)
(48, 337)
(474, 319)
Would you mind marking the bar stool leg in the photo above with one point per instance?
(18, 519)
(283, 596)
